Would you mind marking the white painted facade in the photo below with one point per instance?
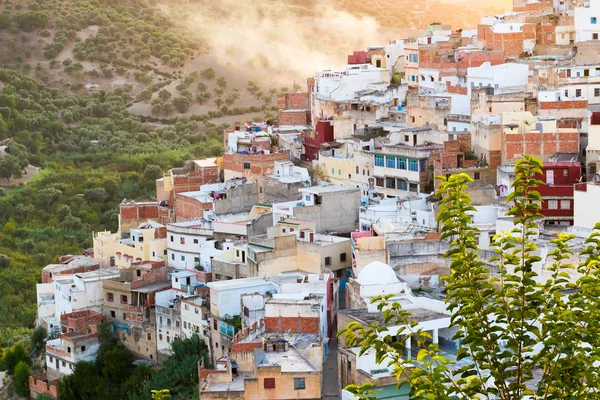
(498, 76)
(63, 354)
(585, 203)
(587, 22)
(81, 291)
(343, 86)
(184, 244)
(193, 319)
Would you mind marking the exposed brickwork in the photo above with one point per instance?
(294, 117)
(538, 144)
(358, 57)
(545, 34)
(85, 321)
(293, 101)
(292, 324)
(187, 208)
(456, 89)
(495, 158)
(47, 275)
(245, 347)
(39, 384)
(564, 105)
(139, 211)
(511, 43)
(260, 164)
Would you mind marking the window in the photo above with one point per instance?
(401, 184)
(82, 348)
(168, 339)
(476, 177)
(168, 321)
(390, 162)
(349, 176)
(215, 324)
(401, 163)
(172, 238)
(110, 297)
(160, 336)
(299, 384)
(327, 261)
(593, 20)
(113, 314)
(177, 324)
(553, 204)
(138, 272)
(153, 254)
(197, 260)
(173, 256)
(196, 310)
(422, 165)
(565, 204)
(357, 170)
(141, 239)
(246, 165)
(195, 241)
(549, 36)
(124, 317)
(64, 364)
(332, 171)
(379, 182)
(68, 350)
(577, 92)
(182, 258)
(378, 160)
(390, 183)
(269, 383)
(123, 299)
(343, 257)
(597, 92)
(413, 166)
(149, 336)
(595, 36)
(165, 252)
(566, 93)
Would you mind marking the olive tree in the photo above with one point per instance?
(522, 337)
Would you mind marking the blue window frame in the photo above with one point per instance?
(401, 163)
(422, 165)
(402, 184)
(593, 20)
(412, 78)
(378, 160)
(390, 162)
(413, 165)
(182, 258)
(332, 171)
(339, 171)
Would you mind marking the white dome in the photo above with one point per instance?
(377, 273)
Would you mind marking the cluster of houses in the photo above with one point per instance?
(268, 251)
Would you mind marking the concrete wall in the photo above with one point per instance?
(338, 213)
(239, 199)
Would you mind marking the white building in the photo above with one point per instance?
(80, 291)
(500, 76)
(168, 319)
(194, 320)
(586, 198)
(287, 172)
(587, 21)
(184, 245)
(402, 212)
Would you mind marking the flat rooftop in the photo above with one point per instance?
(75, 262)
(328, 189)
(289, 361)
(99, 274)
(153, 287)
(418, 315)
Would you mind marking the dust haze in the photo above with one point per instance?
(285, 41)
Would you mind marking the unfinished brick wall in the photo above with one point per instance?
(564, 105)
(84, 321)
(187, 208)
(192, 181)
(292, 324)
(476, 58)
(511, 43)
(293, 101)
(538, 144)
(545, 34)
(293, 117)
(259, 164)
(39, 384)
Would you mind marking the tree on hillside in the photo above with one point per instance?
(21, 379)
(145, 96)
(164, 95)
(521, 337)
(181, 104)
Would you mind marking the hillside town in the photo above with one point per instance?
(269, 251)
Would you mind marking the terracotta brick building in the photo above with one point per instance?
(513, 39)
(251, 165)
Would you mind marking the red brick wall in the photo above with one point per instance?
(539, 144)
(259, 164)
(495, 158)
(562, 105)
(458, 89)
(476, 58)
(292, 324)
(294, 117)
(245, 347)
(194, 179)
(187, 208)
(464, 142)
(293, 101)
(545, 34)
(81, 321)
(137, 211)
(38, 386)
(510, 43)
